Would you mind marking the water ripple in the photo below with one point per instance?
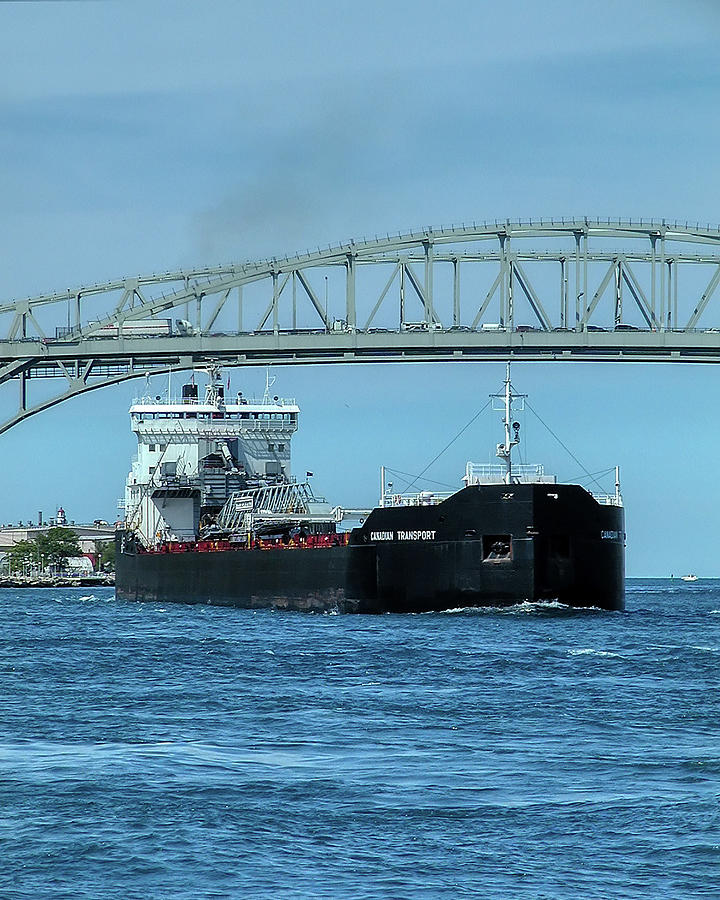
(530, 751)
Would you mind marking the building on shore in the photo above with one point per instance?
(89, 537)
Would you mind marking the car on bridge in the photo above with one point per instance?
(421, 326)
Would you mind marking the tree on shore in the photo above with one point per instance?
(105, 556)
(57, 545)
(51, 548)
(22, 554)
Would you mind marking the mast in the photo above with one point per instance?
(269, 382)
(512, 429)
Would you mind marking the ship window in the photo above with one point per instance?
(271, 447)
(151, 448)
(497, 547)
(281, 447)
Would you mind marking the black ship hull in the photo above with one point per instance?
(486, 545)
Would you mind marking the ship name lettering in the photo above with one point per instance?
(416, 535)
(382, 535)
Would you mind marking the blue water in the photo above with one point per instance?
(189, 752)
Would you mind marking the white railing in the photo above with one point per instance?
(230, 400)
(212, 427)
(494, 473)
(608, 499)
(424, 498)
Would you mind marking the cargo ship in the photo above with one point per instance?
(214, 514)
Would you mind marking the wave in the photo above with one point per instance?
(590, 651)
(525, 607)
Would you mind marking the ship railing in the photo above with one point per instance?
(147, 400)
(495, 473)
(342, 513)
(226, 425)
(607, 499)
(424, 498)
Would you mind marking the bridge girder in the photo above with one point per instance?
(536, 290)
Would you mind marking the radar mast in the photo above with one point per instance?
(512, 429)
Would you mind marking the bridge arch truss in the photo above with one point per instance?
(544, 289)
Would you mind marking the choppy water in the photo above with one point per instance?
(189, 752)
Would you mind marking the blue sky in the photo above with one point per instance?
(140, 137)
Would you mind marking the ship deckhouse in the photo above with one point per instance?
(194, 453)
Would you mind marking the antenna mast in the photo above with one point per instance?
(512, 429)
(269, 382)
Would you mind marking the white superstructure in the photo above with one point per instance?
(194, 453)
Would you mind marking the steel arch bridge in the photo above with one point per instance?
(543, 289)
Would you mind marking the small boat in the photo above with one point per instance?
(689, 577)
